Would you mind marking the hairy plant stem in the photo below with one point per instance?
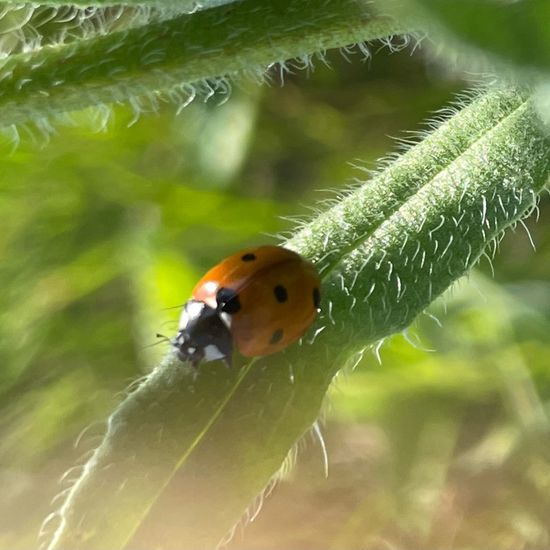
(195, 452)
(181, 5)
(242, 38)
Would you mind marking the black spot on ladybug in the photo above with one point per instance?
(277, 336)
(281, 295)
(316, 298)
(248, 257)
(228, 300)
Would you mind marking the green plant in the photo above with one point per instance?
(385, 250)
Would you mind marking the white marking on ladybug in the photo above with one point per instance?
(226, 318)
(211, 287)
(212, 352)
(190, 311)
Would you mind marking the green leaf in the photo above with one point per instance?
(514, 32)
(386, 251)
(178, 56)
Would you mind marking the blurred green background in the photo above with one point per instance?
(444, 443)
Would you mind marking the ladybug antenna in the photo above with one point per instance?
(162, 339)
(172, 307)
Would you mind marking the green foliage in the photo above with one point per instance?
(511, 32)
(109, 241)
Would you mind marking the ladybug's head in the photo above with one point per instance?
(202, 335)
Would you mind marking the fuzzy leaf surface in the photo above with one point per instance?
(179, 55)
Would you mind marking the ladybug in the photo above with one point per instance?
(258, 300)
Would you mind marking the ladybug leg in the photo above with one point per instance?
(195, 356)
(224, 345)
(195, 362)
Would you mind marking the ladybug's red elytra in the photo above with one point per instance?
(258, 300)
